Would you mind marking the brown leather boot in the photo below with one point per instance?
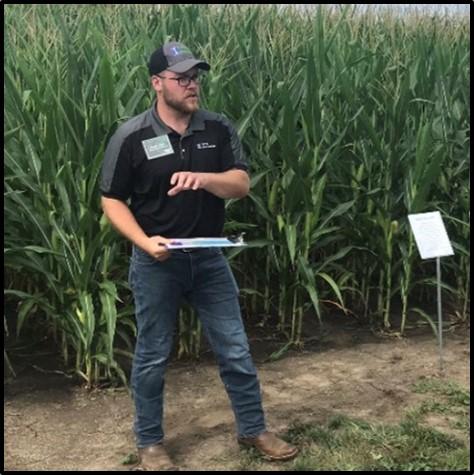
(155, 458)
(272, 447)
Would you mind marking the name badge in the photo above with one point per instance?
(157, 147)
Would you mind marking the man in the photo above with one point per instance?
(177, 164)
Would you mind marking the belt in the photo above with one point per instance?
(190, 250)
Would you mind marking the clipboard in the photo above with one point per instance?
(206, 242)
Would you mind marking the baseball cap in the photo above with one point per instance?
(174, 57)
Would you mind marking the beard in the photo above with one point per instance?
(186, 105)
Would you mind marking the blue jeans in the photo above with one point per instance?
(204, 279)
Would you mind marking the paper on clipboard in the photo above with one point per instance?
(189, 243)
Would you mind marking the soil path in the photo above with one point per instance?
(51, 424)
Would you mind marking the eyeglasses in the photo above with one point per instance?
(185, 81)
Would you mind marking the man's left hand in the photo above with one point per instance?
(182, 181)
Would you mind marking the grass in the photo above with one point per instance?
(414, 444)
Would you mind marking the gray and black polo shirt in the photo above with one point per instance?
(144, 153)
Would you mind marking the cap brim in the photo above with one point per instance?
(188, 64)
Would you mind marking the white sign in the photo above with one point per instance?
(430, 235)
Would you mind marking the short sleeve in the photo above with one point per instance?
(116, 178)
(232, 153)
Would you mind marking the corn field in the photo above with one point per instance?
(350, 122)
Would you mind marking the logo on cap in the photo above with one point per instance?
(177, 50)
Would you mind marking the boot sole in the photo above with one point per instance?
(271, 458)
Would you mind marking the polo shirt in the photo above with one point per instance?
(130, 173)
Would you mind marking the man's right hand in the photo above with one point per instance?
(121, 217)
(155, 246)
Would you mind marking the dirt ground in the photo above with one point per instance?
(53, 424)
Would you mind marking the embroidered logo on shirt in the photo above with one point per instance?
(204, 145)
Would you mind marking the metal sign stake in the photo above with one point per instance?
(440, 320)
(432, 241)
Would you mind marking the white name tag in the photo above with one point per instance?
(157, 147)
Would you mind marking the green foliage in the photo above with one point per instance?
(349, 121)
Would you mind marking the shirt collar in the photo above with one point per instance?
(160, 128)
